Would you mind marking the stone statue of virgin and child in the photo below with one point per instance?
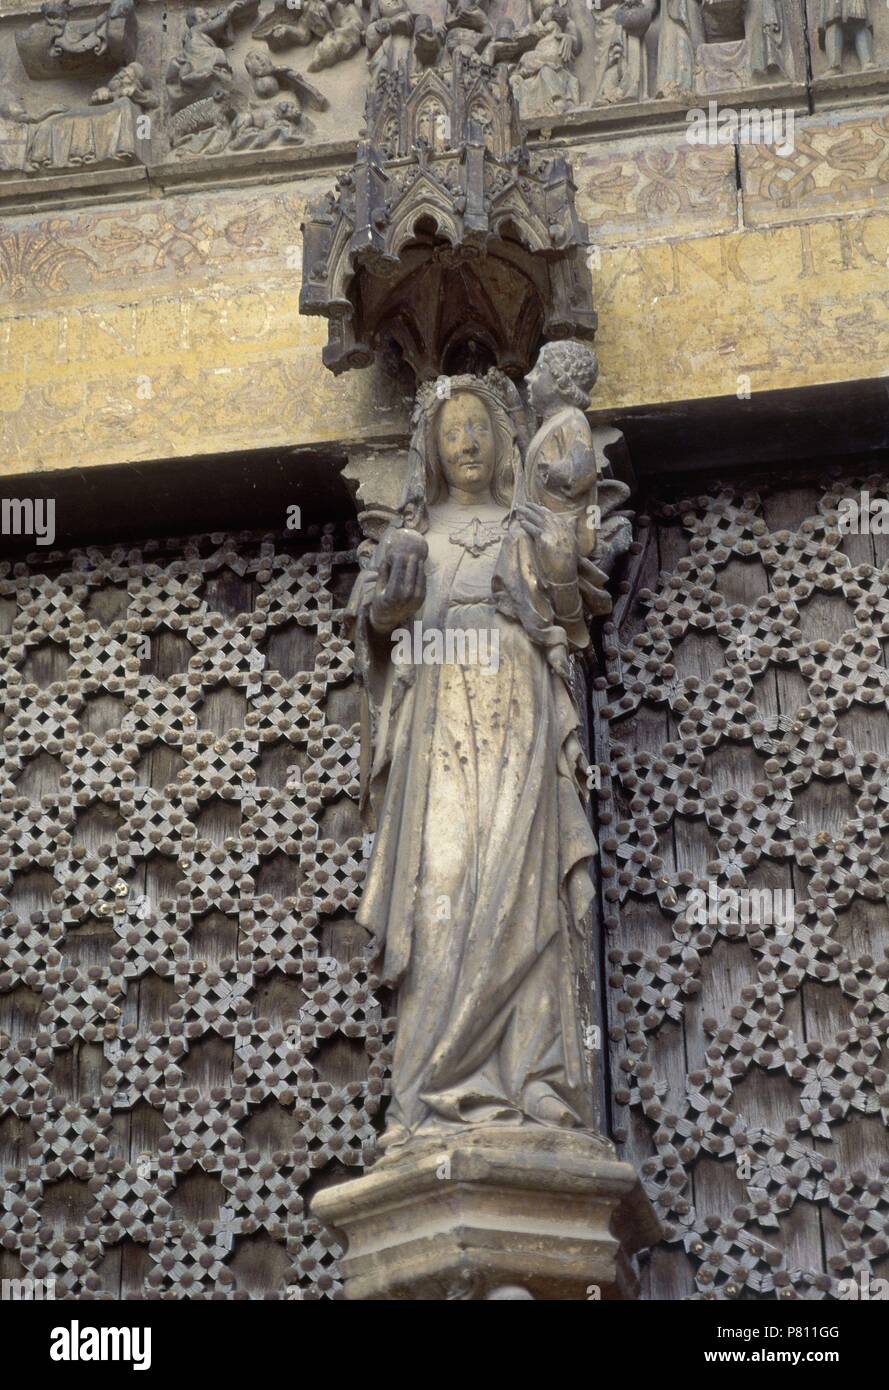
(474, 771)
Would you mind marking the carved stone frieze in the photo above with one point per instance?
(846, 32)
(131, 82)
(567, 65)
(621, 71)
(709, 46)
(225, 119)
(334, 27)
(848, 47)
(66, 44)
(89, 111)
(202, 65)
(97, 135)
(543, 80)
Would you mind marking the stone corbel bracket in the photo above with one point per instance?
(491, 1213)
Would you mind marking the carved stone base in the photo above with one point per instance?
(492, 1212)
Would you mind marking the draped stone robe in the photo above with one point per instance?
(682, 31)
(479, 878)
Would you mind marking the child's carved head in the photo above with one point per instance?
(565, 371)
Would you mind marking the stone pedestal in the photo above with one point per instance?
(492, 1212)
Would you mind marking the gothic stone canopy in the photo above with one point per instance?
(448, 241)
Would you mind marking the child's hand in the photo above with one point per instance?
(553, 537)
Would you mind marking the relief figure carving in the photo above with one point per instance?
(620, 55)
(335, 26)
(682, 31)
(845, 25)
(58, 45)
(105, 131)
(224, 117)
(389, 37)
(202, 63)
(86, 36)
(468, 29)
(543, 81)
(130, 82)
(770, 53)
(277, 115)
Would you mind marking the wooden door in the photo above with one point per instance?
(742, 732)
(191, 1041)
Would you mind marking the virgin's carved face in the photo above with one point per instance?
(466, 443)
